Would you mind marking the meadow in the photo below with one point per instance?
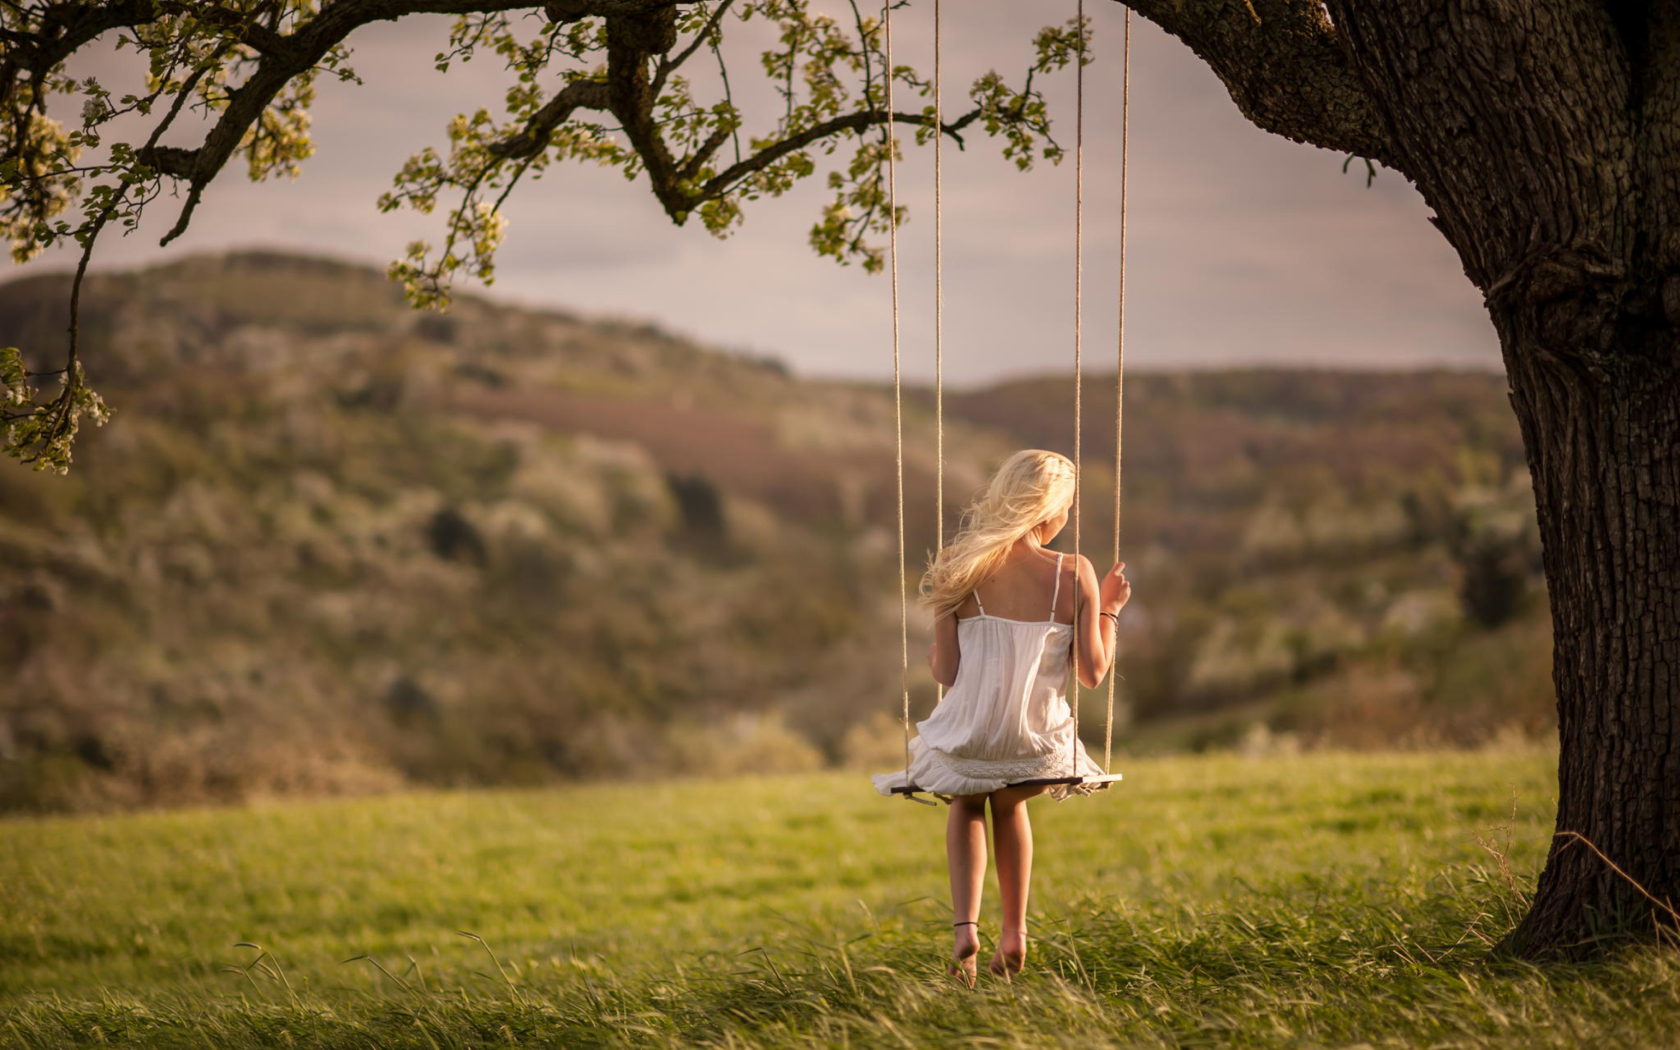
(1306, 900)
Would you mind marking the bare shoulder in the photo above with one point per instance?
(1087, 578)
(967, 608)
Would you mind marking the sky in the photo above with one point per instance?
(1242, 248)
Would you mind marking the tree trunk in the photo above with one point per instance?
(1602, 433)
(1544, 135)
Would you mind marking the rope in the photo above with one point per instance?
(1120, 352)
(938, 298)
(1078, 363)
(898, 393)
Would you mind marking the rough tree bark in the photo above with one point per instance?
(1545, 134)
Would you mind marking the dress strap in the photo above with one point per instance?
(978, 602)
(1058, 591)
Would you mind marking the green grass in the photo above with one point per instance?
(1318, 900)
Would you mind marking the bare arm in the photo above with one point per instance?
(943, 654)
(1095, 634)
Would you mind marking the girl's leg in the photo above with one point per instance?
(1013, 833)
(965, 851)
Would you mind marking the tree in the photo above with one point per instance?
(250, 66)
(1542, 133)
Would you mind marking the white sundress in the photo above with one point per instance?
(1006, 717)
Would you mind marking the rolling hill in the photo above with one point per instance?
(328, 544)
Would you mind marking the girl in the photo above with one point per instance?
(1004, 654)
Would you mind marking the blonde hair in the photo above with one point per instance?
(1030, 488)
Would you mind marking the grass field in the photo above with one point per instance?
(1314, 900)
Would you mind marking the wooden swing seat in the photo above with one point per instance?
(1106, 778)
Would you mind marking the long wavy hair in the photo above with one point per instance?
(1030, 488)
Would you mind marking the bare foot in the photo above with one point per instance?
(1011, 955)
(965, 945)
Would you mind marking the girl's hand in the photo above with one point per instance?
(1115, 590)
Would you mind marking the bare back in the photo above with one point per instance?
(1022, 587)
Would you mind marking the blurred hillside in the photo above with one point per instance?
(331, 544)
(1320, 558)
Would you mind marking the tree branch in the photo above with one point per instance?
(1284, 66)
(533, 137)
(243, 27)
(792, 144)
(574, 10)
(632, 40)
(698, 159)
(667, 65)
(289, 56)
(64, 29)
(1530, 218)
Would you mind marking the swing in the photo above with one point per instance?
(912, 791)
